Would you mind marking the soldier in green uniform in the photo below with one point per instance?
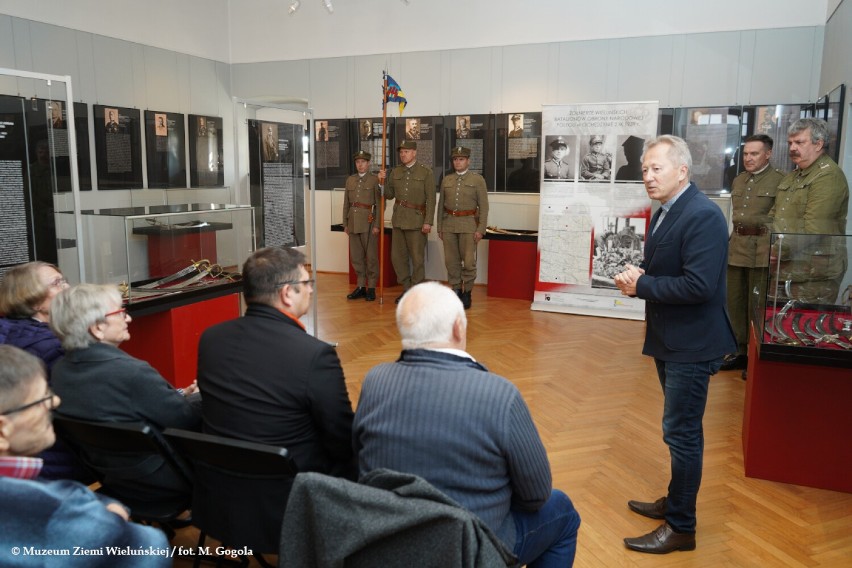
(812, 199)
(462, 218)
(412, 186)
(752, 196)
(361, 223)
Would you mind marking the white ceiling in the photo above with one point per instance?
(243, 31)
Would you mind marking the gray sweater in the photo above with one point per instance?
(466, 431)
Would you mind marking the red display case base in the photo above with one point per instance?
(168, 339)
(511, 269)
(797, 424)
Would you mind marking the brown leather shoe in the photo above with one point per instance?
(661, 540)
(655, 510)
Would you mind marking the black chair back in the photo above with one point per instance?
(241, 488)
(129, 460)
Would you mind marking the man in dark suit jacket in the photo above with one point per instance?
(266, 380)
(688, 332)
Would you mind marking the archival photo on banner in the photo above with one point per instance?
(594, 211)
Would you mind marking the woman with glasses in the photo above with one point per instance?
(26, 295)
(99, 382)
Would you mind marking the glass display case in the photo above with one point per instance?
(805, 314)
(163, 250)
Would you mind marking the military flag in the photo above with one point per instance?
(393, 93)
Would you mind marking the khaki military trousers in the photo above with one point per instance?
(364, 256)
(742, 302)
(460, 258)
(409, 246)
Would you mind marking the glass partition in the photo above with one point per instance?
(39, 179)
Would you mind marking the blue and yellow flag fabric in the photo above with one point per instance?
(394, 93)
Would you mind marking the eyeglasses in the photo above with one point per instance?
(58, 282)
(49, 398)
(122, 311)
(309, 281)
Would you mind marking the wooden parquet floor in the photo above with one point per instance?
(598, 406)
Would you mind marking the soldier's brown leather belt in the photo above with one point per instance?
(750, 230)
(467, 213)
(411, 205)
(362, 205)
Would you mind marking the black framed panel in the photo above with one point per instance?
(165, 139)
(518, 152)
(206, 151)
(118, 151)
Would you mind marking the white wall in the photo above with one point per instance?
(261, 30)
(245, 31)
(193, 27)
(718, 68)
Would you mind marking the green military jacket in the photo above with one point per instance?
(416, 186)
(363, 190)
(463, 193)
(752, 197)
(813, 200)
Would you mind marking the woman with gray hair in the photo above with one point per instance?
(99, 382)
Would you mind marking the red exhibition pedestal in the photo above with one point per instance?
(797, 423)
(511, 268)
(168, 339)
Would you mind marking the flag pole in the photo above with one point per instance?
(382, 197)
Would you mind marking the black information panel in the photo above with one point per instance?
(165, 149)
(118, 149)
(277, 182)
(518, 152)
(333, 152)
(48, 148)
(206, 163)
(15, 199)
(366, 134)
(475, 132)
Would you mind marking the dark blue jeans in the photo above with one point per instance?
(685, 388)
(547, 538)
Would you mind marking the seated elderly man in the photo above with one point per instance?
(439, 414)
(52, 515)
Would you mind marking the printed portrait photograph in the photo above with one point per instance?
(269, 141)
(516, 125)
(111, 120)
(412, 129)
(559, 151)
(322, 131)
(463, 126)
(161, 127)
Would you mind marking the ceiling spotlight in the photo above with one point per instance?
(328, 6)
(294, 6)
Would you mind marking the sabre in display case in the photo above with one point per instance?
(806, 314)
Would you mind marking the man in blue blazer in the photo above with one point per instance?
(688, 332)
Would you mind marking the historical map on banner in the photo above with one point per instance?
(594, 210)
